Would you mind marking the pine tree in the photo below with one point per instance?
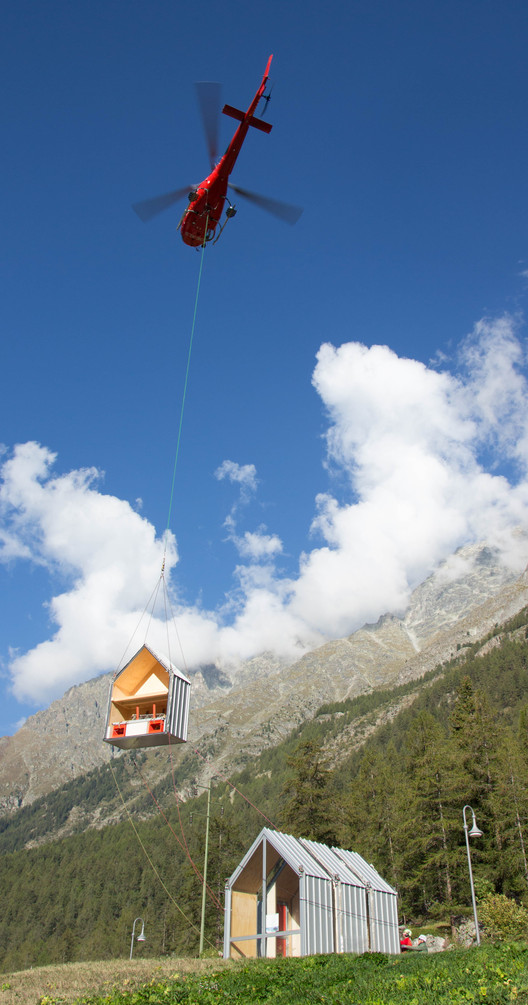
(372, 810)
(510, 806)
(429, 826)
(475, 745)
(307, 808)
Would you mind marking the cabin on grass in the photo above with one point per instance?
(148, 704)
(317, 900)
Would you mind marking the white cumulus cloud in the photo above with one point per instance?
(107, 553)
(426, 460)
(244, 474)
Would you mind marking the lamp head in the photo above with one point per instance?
(475, 831)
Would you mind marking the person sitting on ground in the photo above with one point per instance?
(406, 940)
(422, 945)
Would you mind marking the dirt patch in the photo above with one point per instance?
(67, 982)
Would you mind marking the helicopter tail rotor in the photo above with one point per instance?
(266, 99)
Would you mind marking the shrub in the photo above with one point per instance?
(502, 918)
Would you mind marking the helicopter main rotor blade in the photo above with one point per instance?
(283, 210)
(209, 100)
(151, 207)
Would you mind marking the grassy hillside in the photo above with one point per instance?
(69, 982)
(493, 974)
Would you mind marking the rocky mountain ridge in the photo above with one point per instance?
(238, 712)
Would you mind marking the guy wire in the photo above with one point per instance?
(147, 856)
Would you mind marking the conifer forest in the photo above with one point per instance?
(386, 774)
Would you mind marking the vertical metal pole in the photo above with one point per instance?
(141, 936)
(263, 943)
(474, 902)
(202, 925)
(227, 922)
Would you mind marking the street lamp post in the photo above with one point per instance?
(141, 937)
(202, 923)
(474, 832)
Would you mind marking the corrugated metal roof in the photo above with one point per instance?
(290, 849)
(334, 865)
(293, 852)
(318, 860)
(366, 872)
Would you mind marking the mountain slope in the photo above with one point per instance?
(237, 713)
(72, 894)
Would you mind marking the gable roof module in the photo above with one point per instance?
(148, 705)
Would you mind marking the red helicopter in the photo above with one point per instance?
(206, 200)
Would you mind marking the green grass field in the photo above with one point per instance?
(489, 974)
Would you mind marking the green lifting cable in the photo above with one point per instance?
(183, 402)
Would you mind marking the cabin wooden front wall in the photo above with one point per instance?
(282, 899)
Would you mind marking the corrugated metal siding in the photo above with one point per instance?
(384, 935)
(382, 904)
(351, 919)
(319, 919)
(350, 902)
(179, 692)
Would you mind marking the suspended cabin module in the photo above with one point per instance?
(148, 704)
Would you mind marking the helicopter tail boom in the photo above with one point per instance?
(235, 113)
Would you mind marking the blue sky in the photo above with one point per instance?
(401, 130)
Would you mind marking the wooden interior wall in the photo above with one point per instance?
(243, 922)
